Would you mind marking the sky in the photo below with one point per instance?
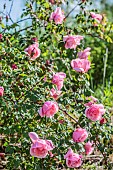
(16, 8)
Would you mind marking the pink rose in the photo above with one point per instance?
(58, 79)
(14, 66)
(73, 160)
(55, 94)
(45, 78)
(39, 147)
(89, 104)
(1, 91)
(33, 51)
(48, 109)
(80, 135)
(97, 17)
(84, 54)
(88, 148)
(80, 65)
(93, 100)
(95, 112)
(71, 41)
(57, 16)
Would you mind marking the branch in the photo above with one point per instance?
(73, 9)
(11, 7)
(69, 116)
(24, 29)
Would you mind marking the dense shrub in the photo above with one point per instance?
(46, 70)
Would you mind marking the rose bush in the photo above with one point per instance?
(50, 60)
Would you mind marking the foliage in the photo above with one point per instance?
(27, 87)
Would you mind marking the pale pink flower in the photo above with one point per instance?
(95, 112)
(71, 41)
(58, 79)
(45, 78)
(80, 65)
(55, 93)
(39, 147)
(1, 91)
(95, 16)
(89, 104)
(93, 100)
(73, 160)
(33, 51)
(48, 109)
(80, 135)
(84, 54)
(57, 16)
(88, 148)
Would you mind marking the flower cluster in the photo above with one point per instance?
(40, 148)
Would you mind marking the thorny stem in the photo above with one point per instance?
(69, 116)
(72, 10)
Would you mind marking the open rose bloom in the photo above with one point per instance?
(80, 65)
(1, 91)
(55, 93)
(57, 16)
(72, 41)
(58, 79)
(48, 109)
(73, 160)
(95, 112)
(91, 102)
(84, 54)
(88, 148)
(33, 51)
(39, 147)
(80, 135)
(97, 17)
